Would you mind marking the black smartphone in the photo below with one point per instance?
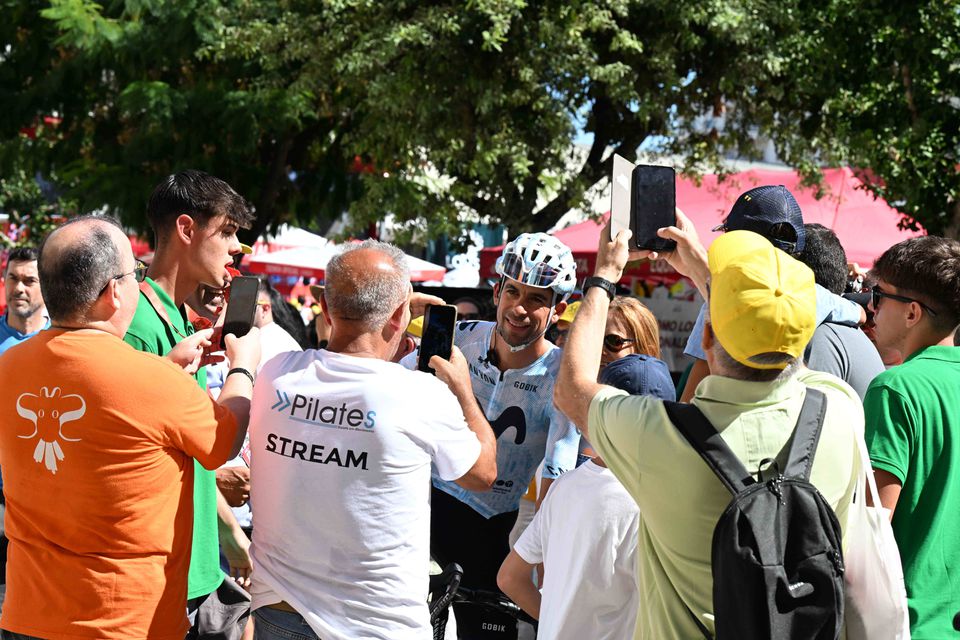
(653, 205)
(241, 308)
(437, 338)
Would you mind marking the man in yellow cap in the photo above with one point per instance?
(761, 316)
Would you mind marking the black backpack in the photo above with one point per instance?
(776, 554)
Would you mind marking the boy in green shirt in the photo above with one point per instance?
(912, 426)
(195, 218)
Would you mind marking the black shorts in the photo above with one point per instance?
(460, 534)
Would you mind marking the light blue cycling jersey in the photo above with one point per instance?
(518, 404)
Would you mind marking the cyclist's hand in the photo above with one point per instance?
(453, 372)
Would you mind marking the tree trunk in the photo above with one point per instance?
(952, 230)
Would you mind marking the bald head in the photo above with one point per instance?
(366, 283)
(76, 261)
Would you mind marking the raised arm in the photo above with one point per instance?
(454, 373)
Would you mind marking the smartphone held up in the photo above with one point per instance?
(644, 200)
(439, 322)
(242, 308)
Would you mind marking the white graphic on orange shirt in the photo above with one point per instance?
(48, 418)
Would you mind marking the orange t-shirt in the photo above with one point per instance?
(96, 451)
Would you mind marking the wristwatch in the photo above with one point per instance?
(603, 283)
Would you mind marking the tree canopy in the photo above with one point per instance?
(442, 113)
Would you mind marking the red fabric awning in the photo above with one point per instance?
(866, 226)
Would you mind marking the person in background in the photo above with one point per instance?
(772, 212)
(913, 430)
(468, 309)
(557, 334)
(25, 316)
(26, 313)
(835, 348)
(631, 328)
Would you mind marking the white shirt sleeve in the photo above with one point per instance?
(530, 544)
(453, 446)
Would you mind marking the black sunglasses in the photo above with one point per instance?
(879, 293)
(139, 274)
(613, 342)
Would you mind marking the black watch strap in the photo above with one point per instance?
(603, 283)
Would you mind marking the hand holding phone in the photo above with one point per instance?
(653, 206)
(643, 199)
(437, 339)
(242, 307)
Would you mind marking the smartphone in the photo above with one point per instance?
(244, 291)
(653, 206)
(621, 188)
(437, 339)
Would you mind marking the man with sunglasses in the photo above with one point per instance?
(195, 218)
(913, 430)
(513, 368)
(98, 460)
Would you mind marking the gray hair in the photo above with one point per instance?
(732, 368)
(72, 279)
(368, 297)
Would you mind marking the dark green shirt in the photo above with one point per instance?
(913, 431)
(149, 332)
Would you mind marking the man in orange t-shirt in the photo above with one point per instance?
(97, 451)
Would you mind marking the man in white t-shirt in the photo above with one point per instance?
(585, 535)
(341, 450)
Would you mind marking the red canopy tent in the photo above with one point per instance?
(866, 226)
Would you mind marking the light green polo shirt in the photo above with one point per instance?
(681, 499)
(149, 333)
(914, 433)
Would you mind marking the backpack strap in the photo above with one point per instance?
(703, 437)
(806, 435)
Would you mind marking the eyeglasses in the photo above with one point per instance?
(139, 274)
(879, 293)
(541, 275)
(613, 342)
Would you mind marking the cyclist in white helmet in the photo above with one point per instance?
(512, 368)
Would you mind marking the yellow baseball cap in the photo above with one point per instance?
(415, 328)
(761, 299)
(570, 312)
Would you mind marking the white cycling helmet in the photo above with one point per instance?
(539, 260)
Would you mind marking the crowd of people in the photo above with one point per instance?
(549, 456)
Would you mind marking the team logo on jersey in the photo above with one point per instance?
(48, 412)
(511, 417)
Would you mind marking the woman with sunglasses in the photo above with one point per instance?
(631, 328)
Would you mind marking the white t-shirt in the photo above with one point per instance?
(585, 534)
(341, 449)
(275, 340)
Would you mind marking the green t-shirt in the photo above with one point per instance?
(913, 432)
(149, 332)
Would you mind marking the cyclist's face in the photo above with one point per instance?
(523, 311)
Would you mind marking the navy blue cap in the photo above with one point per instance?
(771, 211)
(640, 375)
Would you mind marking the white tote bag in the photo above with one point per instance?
(876, 598)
